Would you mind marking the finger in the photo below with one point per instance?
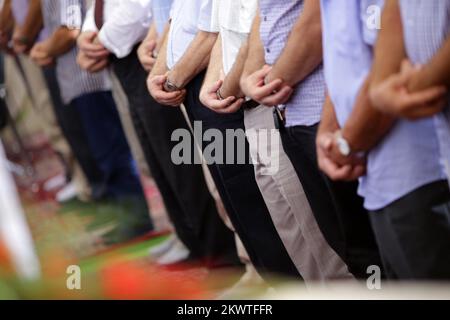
(97, 54)
(425, 111)
(278, 98)
(159, 80)
(233, 108)
(98, 66)
(263, 72)
(407, 66)
(217, 104)
(268, 89)
(424, 97)
(334, 171)
(215, 87)
(357, 172)
(169, 96)
(325, 142)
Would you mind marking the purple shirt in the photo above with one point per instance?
(407, 158)
(277, 20)
(20, 10)
(427, 26)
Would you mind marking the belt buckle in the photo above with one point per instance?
(278, 118)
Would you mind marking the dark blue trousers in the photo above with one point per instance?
(109, 147)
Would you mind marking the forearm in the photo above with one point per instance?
(33, 22)
(61, 41)
(231, 85)
(195, 59)
(303, 51)
(160, 67)
(215, 65)
(329, 122)
(6, 17)
(436, 72)
(366, 125)
(255, 54)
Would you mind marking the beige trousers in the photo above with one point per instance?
(287, 202)
(28, 95)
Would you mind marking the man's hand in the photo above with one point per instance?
(210, 99)
(155, 85)
(268, 94)
(20, 42)
(91, 65)
(91, 47)
(392, 96)
(40, 54)
(146, 54)
(333, 164)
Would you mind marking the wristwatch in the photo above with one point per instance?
(170, 87)
(343, 145)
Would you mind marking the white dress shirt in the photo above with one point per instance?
(126, 23)
(233, 20)
(188, 18)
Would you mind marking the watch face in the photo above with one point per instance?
(344, 148)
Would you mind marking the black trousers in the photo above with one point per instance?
(71, 125)
(190, 206)
(240, 193)
(338, 209)
(414, 234)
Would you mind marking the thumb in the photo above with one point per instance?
(216, 86)
(151, 45)
(326, 141)
(263, 72)
(91, 36)
(160, 80)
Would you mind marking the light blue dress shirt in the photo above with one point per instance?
(20, 10)
(188, 18)
(161, 13)
(427, 26)
(407, 158)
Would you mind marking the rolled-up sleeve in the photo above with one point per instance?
(126, 26)
(71, 15)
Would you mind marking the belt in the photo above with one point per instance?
(250, 104)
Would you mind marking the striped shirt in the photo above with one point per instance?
(73, 81)
(277, 21)
(427, 26)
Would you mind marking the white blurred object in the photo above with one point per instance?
(359, 291)
(14, 230)
(55, 183)
(176, 254)
(69, 192)
(163, 248)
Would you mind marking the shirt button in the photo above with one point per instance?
(268, 50)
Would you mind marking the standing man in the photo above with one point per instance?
(90, 95)
(428, 46)
(293, 81)
(404, 187)
(176, 78)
